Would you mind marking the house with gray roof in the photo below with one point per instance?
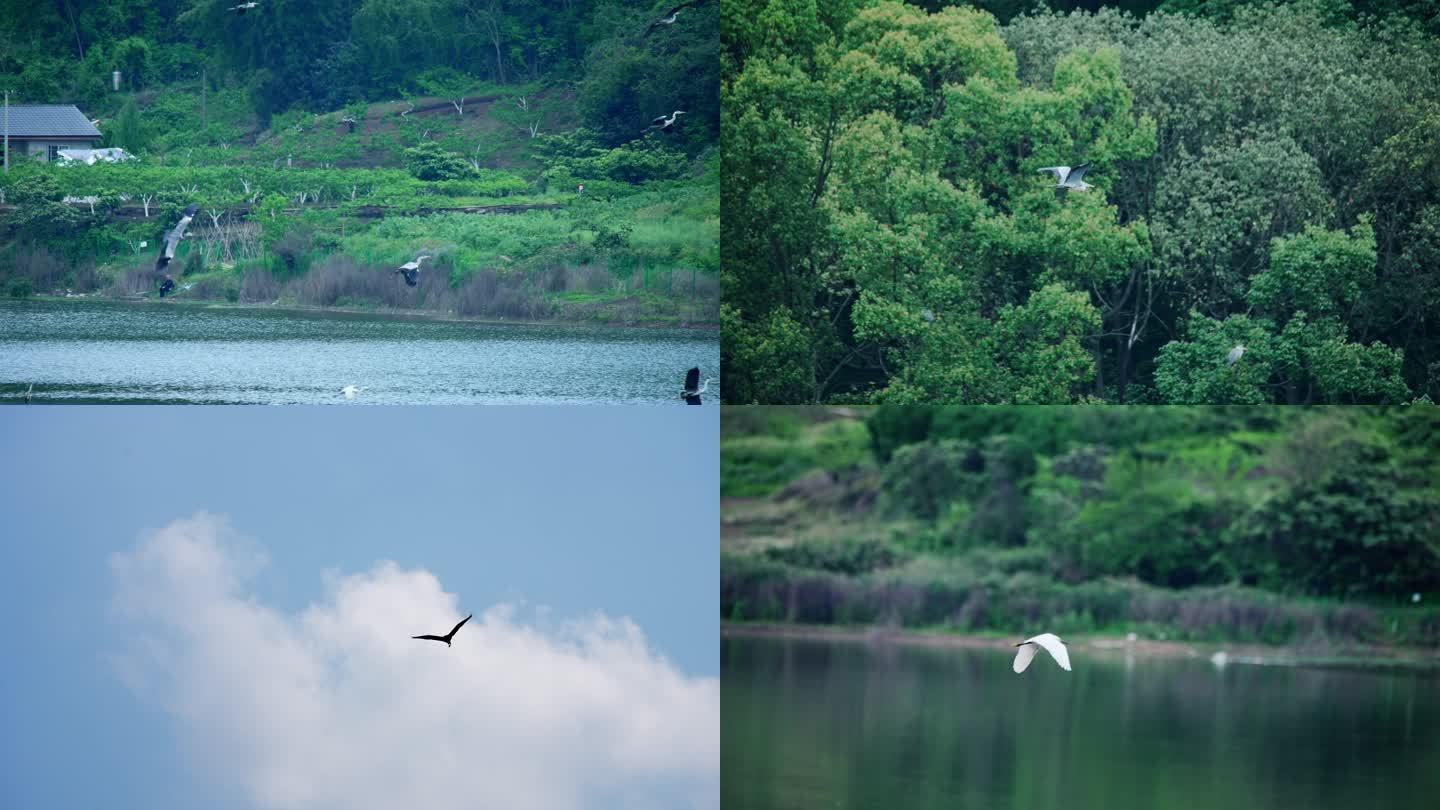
(42, 130)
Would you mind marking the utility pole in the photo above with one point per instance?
(7, 131)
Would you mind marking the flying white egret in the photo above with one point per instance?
(670, 17)
(1052, 645)
(693, 389)
(663, 123)
(1234, 355)
(1068, 179)
(31, 390)
(243, 7)
(351, 391)
(411, 270)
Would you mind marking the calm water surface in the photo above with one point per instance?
(134, 353)
(812, 725)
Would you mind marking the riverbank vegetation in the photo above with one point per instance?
(1264, 175)
(1311, 527)
(459, 129)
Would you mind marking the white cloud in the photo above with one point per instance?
(337, 707)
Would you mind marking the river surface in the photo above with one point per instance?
(854, 725)
(112, 352)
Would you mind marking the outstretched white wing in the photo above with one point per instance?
(1025, 656)
(1054, 646)
(1060, 172)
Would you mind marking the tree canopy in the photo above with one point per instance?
(1263, 175)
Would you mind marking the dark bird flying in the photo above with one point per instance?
(446, 638)
(692, 391)
(172, 241)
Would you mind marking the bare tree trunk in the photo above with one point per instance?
(492, 18)
(71, 14)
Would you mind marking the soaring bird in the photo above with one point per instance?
(411, 270)
(446, 638)
(669, 19)
(663, 123)
(243, 7)
(693, 389)
(1234, 355)
(1068, 179)
(1052, 645)
(172, 241)
(351, 391)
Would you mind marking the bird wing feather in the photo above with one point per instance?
(692, 379)
(1055, 647)
(1077, 173)
(461, 624)
(1024, 656)
(431, 638)
(1059, 171)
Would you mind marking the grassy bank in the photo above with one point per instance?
(859, 519)
(980, 596)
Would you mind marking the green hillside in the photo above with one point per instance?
(316, 179)
(1271, 525)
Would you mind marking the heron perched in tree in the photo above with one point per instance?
(663, 123)
(1052, 645)
(243, 7)
(446, 638)
(1234, 355)
(693, 388)
(172, 241)
(411, 270)
(669, 18)
(1068, 179)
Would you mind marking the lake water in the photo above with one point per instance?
(816, 725)
(113, 352)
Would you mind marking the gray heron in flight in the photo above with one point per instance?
(1234, 355)
(411, 270)
(693, 388)
(172, 241)
(1051, 644)
(446, 638)
(1068, 179)
(669, 18)
(663, 123)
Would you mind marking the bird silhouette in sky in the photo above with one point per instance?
(446, 638)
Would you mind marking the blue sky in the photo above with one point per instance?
(580, 510)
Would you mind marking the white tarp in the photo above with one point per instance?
(88, 156)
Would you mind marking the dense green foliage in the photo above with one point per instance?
(1093, 517)
(1264, 175)
(284, 126)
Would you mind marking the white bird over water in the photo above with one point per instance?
(1234, 355)
(1068, 179)
(1052, 645)
(351, 391)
